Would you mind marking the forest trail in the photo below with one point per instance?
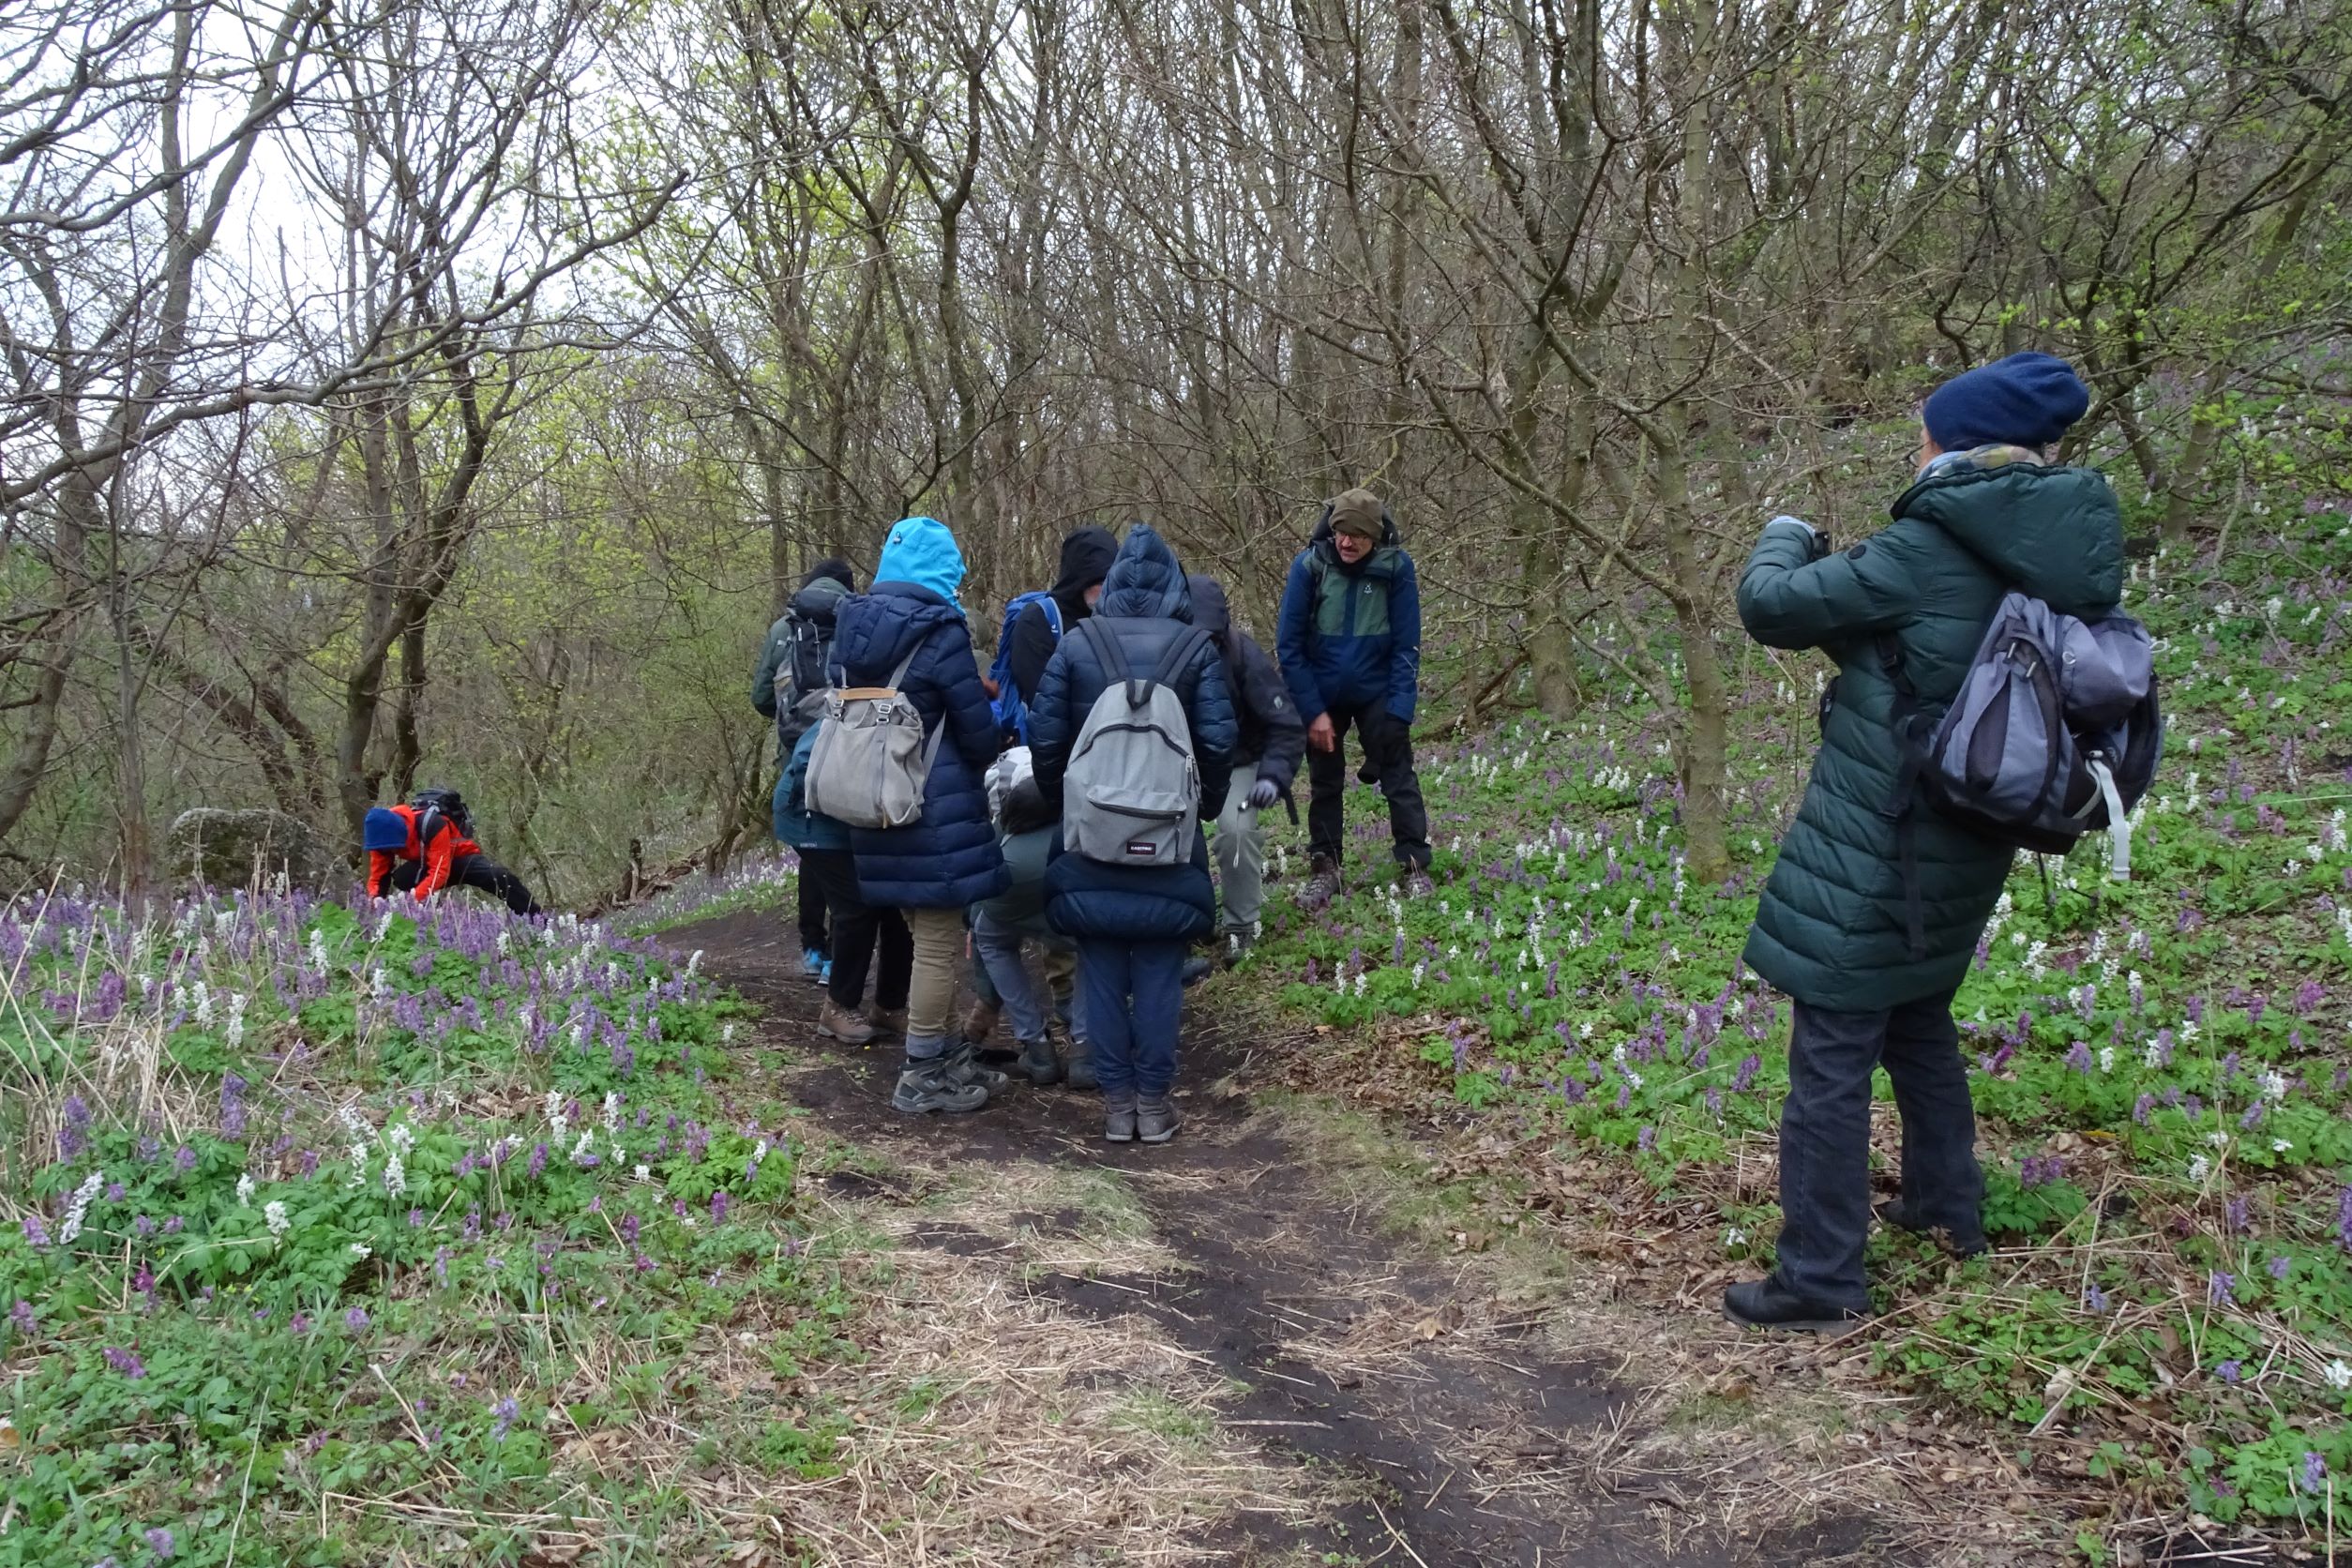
(1428, 1426)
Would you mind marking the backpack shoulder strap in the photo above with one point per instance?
(1179, 654)
(1052, 609)
(1108, 649)
(898, 676)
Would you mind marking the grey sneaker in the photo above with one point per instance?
(1418, 883)
(1119, 1119)
(923, 1086)
(1322, 883)
(839, 1023)
(1156, 1119)
(963, 1066)
(1039, 1063)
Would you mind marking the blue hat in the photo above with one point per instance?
(384, 829)
(2028, 399)
(922, 552)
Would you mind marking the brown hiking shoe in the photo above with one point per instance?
(887, 1020)
(839, 1023)
(980, 1022)
(1322, 883)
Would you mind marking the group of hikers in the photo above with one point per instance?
(1054, 803)
(1990, 697)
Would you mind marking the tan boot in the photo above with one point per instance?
(839, 1023)
(887, 1020)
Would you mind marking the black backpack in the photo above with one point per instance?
(448, 802)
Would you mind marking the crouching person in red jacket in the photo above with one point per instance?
(427, 845)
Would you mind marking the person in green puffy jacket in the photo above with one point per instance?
(1871, 936)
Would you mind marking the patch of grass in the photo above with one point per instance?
(1147, 1409)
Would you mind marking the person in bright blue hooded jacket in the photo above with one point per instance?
(946, 859)
(1133, 923)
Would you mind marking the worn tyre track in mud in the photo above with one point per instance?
(1430, 1446)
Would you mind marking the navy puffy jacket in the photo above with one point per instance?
(1147, 605)
(949, 858)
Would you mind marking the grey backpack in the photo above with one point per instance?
(868, 762)
(1131, 794)
(2055, 733)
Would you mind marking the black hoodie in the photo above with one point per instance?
(1272, 736)
(1086, 557)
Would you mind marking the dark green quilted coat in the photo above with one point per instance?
(1831, 929)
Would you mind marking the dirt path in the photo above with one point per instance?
(1433, 1427)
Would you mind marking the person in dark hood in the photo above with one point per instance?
(1133, 922)
(1265, 761)
(947, 859)
(1086, 557)
(1349, 637)
(787, 685)
(1988, 510)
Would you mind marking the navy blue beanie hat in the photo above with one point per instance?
(384, 829)
(2028, 399)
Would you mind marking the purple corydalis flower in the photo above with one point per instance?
(2237, 1213)
(74, 1136)
(356, 1319)
(184, 1159)
(2219, 1287)
(124, 1361)
(36, 1233)
(718, 1208)
(2079, 1058)
(21, 1315)
(506, 1411)
(160, 1543)
(2282, 1266)
(2315, 1477)
(2094, 1298)
(233, 1107)
(2229, 1371)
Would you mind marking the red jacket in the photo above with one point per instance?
(432, 839)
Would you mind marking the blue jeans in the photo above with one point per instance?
(1132, 999)
(998, 947)
(1825, 1141)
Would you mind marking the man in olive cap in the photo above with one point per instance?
(1350, 639)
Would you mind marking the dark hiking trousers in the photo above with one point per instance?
(474, 870)
(1388, 752)
(1825, 1142)
(1131, 995)
(812, 918)
(859, 930)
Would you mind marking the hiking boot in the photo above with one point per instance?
(1418, 883)
(1767, 1303)
(1323, 882)
(980, 1022)
(923, 1086)
(1038, 1064)
(1155, 1119)
(813, 965)
(1118, 1118)
(1893, 1212)
(887, 1020)
(1238, 942)
(1078, 1073)
(1197, 969)
(964, 1066)
(836, 1023)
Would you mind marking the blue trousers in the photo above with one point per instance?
(1825, 1141)
(1133, 1001)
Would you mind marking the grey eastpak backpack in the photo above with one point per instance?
(2055, 733)
(870, 761)
(1131, 794)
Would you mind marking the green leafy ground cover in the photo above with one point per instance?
(2160, 1066)
(330, 1232)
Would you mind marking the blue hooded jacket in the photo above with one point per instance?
(949, 858)
(1349, 637)
(1147, 605)
(795, 824)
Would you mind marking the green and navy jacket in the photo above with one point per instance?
(1831, 928)
(1349, 637)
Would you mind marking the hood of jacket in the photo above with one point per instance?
(832, 566)
(1321, 536)
(819, 597)
(1086, 557)
(1145, 580)
(1212, 612)
(872, 632)
(922, 552)
(2056, 533)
